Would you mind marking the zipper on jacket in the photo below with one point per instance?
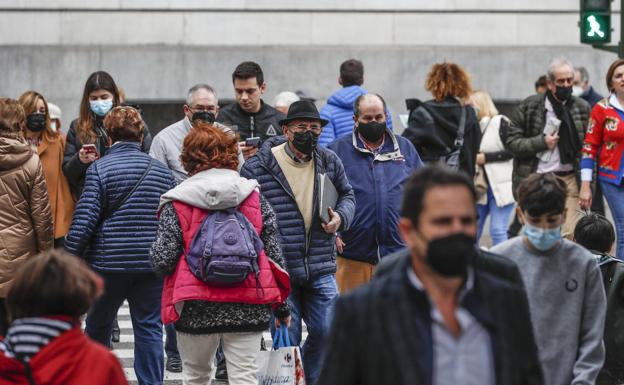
(314, 210)
(252, 127)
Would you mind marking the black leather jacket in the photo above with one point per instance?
(264, 123)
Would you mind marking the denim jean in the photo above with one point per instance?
(499, 219)
(143, 292)
(615, 200)
(171, 342)
(313, 302)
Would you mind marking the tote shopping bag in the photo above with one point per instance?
(282, 365)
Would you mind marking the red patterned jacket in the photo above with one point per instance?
(604, 142)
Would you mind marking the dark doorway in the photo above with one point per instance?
(160, 113)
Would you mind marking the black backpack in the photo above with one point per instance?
(422, 132)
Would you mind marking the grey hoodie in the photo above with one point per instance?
(214, 189)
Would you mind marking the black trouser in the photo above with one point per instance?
(515, 227)
(59, 243)
(597, 201)
(4, 317)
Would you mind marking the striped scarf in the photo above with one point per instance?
(27, 336)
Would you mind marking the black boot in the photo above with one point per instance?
(221, 373)
(116, 332)
(173, 364)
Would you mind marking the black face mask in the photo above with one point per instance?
(36, 122)
(449, 256)
(372, 131)
(563, 93)
(204, 116)
(305, 141)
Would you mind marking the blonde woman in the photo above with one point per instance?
(495, 164)
(49, 144)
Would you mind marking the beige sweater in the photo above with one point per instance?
(300, 178)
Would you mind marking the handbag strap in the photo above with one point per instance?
(459, 140)
(281, 339)
(120, 203)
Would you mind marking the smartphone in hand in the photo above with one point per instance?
(90, 148)
(252, 142)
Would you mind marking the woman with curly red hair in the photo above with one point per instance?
(206, 313)
(445, 126)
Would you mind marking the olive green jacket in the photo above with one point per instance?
(526, 134)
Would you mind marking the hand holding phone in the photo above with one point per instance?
(90, 148)
(247, 149)
(252, 142)
(88, 153)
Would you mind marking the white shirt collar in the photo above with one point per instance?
(615, 103)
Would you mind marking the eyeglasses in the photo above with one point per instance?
(314, 127)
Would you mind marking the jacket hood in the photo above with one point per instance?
(13, 153)
(345, 97)
(214, 189)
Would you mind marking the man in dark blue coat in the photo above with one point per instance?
(436, 317)
(376, 163)
(288, 169)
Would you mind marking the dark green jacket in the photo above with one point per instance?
(526, 133)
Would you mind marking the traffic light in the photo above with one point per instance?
(595, 21)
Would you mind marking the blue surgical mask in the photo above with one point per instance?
(101, 107)
(542, 239)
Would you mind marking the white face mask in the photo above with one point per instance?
(53, 125)
(577, 91)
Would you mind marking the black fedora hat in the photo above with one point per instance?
(302, 109)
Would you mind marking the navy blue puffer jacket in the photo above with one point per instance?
(315, 256)
(119, 241)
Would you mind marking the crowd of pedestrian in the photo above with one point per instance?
(245, 218)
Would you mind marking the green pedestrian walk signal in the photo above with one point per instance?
(595, 24)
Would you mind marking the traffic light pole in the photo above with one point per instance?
(618, 49)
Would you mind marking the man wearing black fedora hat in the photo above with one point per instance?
(289, 169)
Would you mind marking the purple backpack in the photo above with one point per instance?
(225, 249)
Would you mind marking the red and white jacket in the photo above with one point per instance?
(604, 142)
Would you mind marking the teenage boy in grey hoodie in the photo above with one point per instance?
(563, 284)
